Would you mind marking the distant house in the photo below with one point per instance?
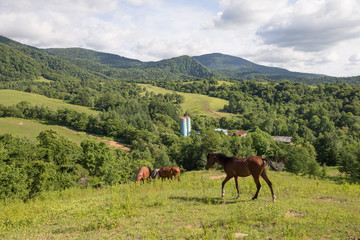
(240, 133)
(282, 139)
(222, 130)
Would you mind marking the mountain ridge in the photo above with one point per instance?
(85, 63)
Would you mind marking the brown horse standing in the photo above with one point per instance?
(242, 167)
(144, 174)
(176, 172)
(169, 172)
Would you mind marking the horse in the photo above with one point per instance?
(144, 174)
(155, 173)
(242, 167)
(176, 172)
(169, 172)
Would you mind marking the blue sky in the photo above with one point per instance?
(318, 36)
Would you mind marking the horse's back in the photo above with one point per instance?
(144, 173)
(165, 172)
(244, 167)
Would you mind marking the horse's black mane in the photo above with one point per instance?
(223, 157)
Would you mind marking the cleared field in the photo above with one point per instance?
(11, 97)
(190, 209)
(30, 129)
(196, 103)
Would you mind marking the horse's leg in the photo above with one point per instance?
(264, 176)
(258, 186)
(227, 178)
(237, 187)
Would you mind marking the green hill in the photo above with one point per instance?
(196, 104)
(183, 65)
(12, 97)
(30, 129)
(108, 59)
(22, 62)
(235, 67)
(19, 62)
(190, 209)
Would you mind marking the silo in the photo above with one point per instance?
(183, 127)
(188, 125)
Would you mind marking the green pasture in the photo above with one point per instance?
(30, 129)
(190, 209)
(12, 97)
(196, 104)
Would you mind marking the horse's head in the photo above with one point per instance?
(211, 160)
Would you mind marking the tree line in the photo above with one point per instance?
(327, 116)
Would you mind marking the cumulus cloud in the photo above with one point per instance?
(313, 25)
(281, 33)
(354, 59)
(237, 13)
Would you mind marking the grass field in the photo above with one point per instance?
(196, 103)
(190, 209)
(30, 129)
(11, 97)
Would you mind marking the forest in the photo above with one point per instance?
(323, 121)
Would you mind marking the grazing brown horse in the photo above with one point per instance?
(176, 172)
(242, 167)
(169, 172)
(144, 174)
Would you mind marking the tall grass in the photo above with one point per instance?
(190, 209)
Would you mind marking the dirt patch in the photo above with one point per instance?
(21, 123)
(240, 235)
(294, 214)
(325, 199)
(211, 112)
(217, 177)
(115, 144)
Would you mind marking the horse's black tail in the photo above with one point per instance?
(279, 167)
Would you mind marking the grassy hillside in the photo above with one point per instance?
(190, 209)
(196, 103)
(11, 97)
(31, 129)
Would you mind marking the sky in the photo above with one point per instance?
(314, 36)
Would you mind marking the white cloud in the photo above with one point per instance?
(313, 25)
(237, 13)
(300, 35)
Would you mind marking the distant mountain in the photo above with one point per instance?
(21, 62)
(184, 65)
(238, 68)
(108, 59)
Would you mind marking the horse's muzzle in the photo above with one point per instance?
(206, 167)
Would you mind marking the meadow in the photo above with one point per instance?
(12, 97)
(190, 209)
(30, 129)
(196, 104)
